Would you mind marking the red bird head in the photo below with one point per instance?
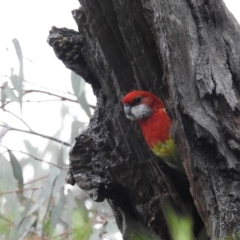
(139, 105)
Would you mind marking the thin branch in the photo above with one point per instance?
(48, 88)
(5, 104)
(16, 55)
(38, 159)
(36, 180)
(5, 110)
(64, 234)
(48, 93)
(51, 94)
(4, 218)
(3, 133)
(38, 101)
(46, 100)
(20, 190)
(55, 100)
(35, 133)
(34, 84)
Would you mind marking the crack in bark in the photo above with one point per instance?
(187, 52)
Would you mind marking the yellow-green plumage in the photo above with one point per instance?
(168, 153)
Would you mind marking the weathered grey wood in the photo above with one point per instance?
(187, 52)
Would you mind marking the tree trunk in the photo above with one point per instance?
(188, 53)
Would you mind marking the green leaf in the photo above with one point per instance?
(20, 231)
(84, 104)
(4, 229)
(24, 229)
(16, 82)
(69, 210)
(17, 169)
(46, 227)
(60, 181)
(32, 209)
(10, 93)
(34, 151)
(64, 111)
(61, 157)
(7, 183)
(46, 191)
(180, 226)
(78, 88)
(56, 213)
(84, 211)
(18, 49)
(77, 84)
(76, 125)
(3, 94)
(20, 75)
(30, 148)
(82, 228)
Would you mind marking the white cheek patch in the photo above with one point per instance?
(141, 111)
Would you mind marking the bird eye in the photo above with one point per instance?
(137, 100)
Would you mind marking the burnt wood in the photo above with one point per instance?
(188, 53)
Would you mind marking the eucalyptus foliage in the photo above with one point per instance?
(45, 208)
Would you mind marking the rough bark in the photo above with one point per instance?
(186, 52)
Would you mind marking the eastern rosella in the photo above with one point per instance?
(149, 111)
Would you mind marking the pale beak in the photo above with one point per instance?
(127, 110)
